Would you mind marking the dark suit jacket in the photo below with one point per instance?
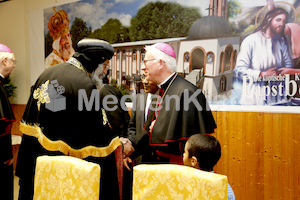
(118, 118)
(136, 128)
(137, 119)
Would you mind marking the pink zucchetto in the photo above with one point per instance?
(4, 48)
(166, 49)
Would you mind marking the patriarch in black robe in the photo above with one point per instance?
(63, 117)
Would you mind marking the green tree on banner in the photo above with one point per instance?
(162, 20)
(79, 30)
(112, 31)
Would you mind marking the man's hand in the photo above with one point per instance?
(126, 161)
(269, 72)
(9, 162)
(152, 125)
(286, 70)
(127, 147)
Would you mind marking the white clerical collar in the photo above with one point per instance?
(2, 75)
(159, 85)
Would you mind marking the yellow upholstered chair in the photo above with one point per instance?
(166, 181)
(65, 177)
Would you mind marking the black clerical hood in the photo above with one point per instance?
(92, 52)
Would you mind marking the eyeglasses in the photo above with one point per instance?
(13, 61)
(145, 61)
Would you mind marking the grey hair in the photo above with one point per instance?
(159, 55)
(6, 55)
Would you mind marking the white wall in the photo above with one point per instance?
(15, 26)
(13, 34)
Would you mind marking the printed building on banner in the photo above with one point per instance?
(206, 57)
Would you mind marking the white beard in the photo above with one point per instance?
(97, 76)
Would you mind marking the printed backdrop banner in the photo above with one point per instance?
(252, 58)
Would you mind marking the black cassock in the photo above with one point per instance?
(70, 116)
(117, 114)
(6, 171)
(6, 113)
(184, 111)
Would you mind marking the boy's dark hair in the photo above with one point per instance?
(207, 150)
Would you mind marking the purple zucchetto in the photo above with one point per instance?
(4, 48)
(166, 49)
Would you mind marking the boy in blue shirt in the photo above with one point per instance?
(203, 152)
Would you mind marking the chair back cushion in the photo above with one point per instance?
(167, 181)
(65, 177)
